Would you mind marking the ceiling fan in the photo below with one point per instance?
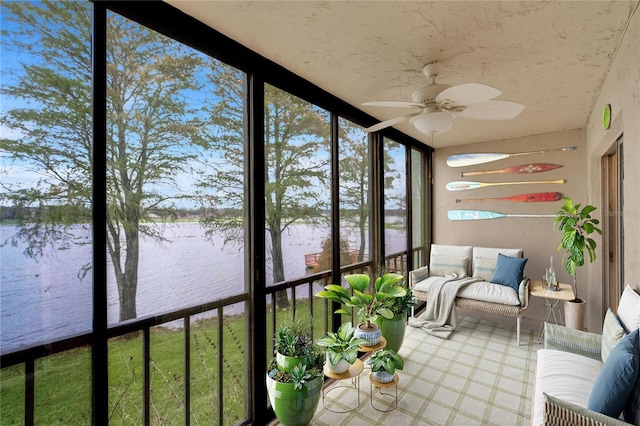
(437, 105)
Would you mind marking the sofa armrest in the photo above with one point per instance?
(418, 275)
(570, 340)
(562, 413)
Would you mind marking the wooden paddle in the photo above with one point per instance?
(482, 214)
(461, 160)
(522, 169)
(462, 185)
(530, 197)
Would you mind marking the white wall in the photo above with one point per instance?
(621, 89)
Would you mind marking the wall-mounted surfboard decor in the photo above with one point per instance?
(466, 185)
(483, 214)
(461, 160)
(521, 169)
(531, 197)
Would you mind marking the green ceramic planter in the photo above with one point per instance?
(286, 363)
(294, 407)
(393, 330)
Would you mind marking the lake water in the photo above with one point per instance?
(45, 300)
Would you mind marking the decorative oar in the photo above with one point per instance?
(461, 160)
(523, 198)
(462, 185)
(482, 214)
(521, 169)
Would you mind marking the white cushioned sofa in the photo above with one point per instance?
(478, 262)
(591, 379)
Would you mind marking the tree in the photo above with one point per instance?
(152, 134)
(295, 175)
(354, 179)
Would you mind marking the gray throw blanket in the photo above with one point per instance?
(440, 317)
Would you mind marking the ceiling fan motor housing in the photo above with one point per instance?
(428, 94)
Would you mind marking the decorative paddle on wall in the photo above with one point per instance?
(483, 214)
(466, 185)
(530, 197)
(521, 169)
(461, 160)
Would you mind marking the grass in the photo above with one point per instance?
(63, 381)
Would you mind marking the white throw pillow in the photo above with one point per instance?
(448, 265)
(484, 267)
(629, 309)
(612, 333)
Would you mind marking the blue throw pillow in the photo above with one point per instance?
(509, 271)
(616, 380)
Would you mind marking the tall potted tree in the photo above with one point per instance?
(369, 303)
(576, 224)
(394, 329)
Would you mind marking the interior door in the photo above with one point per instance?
(613, 200)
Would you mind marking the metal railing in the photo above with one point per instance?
(300, 293)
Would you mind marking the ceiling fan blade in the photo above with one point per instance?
(394, 104)
(467, 94)
(491, 110)
(384, 124)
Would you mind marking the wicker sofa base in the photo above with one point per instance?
(512, 311)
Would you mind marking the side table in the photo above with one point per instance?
(551, 301)
(353, 373)
(380, 386)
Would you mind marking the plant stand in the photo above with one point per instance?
(376, 384)
(381, 345)
(354, 375)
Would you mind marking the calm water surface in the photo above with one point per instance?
(45, 300)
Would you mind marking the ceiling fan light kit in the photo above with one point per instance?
(433, 122)
(437, 105)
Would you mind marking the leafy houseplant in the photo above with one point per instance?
(384, 364)
(393, 329)
(341, 346)
(368, 304)
(576, 224)
(294, 375)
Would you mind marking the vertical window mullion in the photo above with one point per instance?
(99, 359)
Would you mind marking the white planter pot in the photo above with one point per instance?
(383, 377)
(373, 336)
(340, 368)
(574, 314)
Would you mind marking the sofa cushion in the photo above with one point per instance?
(509, 271)
(483, 267)
(612, 333)
(629, 309)
(448, 265)
(491, 252)
(488, 292)
(563, 375)
(480, 290)
(616, 380)
(460, 251)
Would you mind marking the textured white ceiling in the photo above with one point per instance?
(550, 56)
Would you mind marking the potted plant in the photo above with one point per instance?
(294, 375)
(293, 344)
(384, 364)
(368, 304)
(341, 348)
(576, 224)
(393, 329)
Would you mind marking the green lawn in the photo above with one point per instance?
(63, 381)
